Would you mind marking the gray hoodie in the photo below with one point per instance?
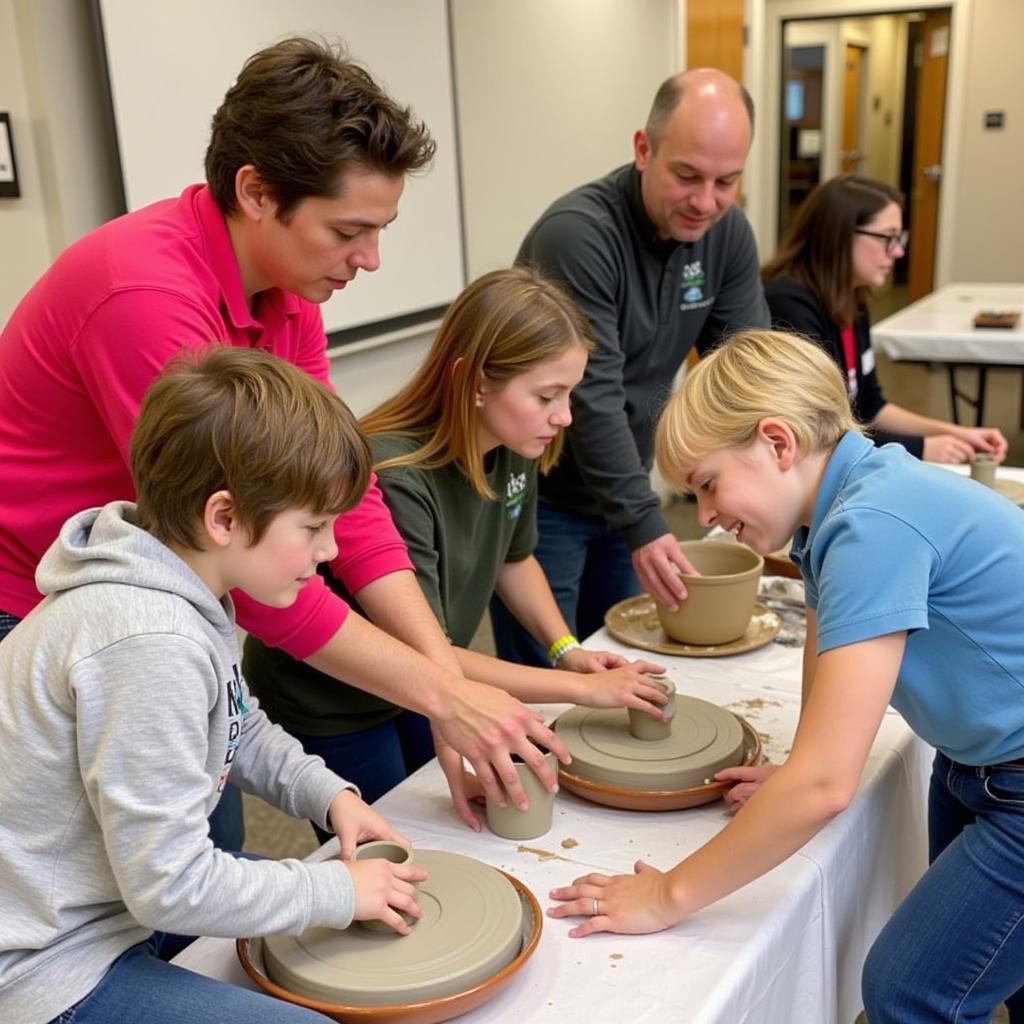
(122, 711)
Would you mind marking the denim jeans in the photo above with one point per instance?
(589, 568)
(376, 759)
(139, 988)
(954, 949)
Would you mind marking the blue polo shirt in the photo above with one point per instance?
(896, 544)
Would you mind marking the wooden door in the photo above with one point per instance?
(714, 35)
(927, 175)
(714, 39)
(850, 155)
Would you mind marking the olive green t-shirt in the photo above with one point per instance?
(458, 542)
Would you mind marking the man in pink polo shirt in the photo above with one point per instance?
(306, 165)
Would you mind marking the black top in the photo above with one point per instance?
(649, 301)
(797, 309)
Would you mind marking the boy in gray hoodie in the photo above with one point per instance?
(123, 712)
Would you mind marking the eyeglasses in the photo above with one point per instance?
(891, 241)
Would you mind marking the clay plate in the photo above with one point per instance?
(635, 622)
(430, 1011)
(660, 799)
(1012, 490)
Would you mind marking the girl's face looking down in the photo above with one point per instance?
(526, 413)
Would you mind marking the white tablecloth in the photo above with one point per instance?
(785, 948)
(940, 328)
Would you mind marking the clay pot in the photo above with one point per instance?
(396, 853)
(643, 726)
(983, 469)
(721, 600)
(511, 823)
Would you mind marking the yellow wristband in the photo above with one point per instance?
(561, 646)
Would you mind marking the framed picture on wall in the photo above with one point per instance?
(8, 168)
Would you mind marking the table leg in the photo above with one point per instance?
(977, 403)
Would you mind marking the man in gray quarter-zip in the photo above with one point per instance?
(660, 260)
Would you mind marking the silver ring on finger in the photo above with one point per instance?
(596, 910)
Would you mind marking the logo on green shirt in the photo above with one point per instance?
(515, 494)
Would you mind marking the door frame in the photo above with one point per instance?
(763, 67)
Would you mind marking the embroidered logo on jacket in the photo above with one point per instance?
(692, 287)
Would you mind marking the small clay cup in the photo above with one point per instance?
(983, 469)
(511, 823)
(385, 849)
(720, 601)
(643, 726)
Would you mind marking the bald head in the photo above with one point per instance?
(702, 92)
(691, 154)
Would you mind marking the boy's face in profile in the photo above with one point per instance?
(744, 491)
(274, 570)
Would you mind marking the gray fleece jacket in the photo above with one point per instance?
(122, 712)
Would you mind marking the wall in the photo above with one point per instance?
(548, 97)
(989, 221)
(25, 248)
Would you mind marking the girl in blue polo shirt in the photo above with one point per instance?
(913, 582)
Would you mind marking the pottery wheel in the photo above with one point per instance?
(472, 926)
(704, 739)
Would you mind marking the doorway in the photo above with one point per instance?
(867, 95)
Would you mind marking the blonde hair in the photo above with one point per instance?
(502, 325)
(249, 423)
(754, 375)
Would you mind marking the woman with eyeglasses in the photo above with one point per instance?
(843, 242)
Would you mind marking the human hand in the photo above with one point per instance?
(989, 440)
(579, 659)
(656, 565)
(488, 726)
(746, 779)
(464, 787)
(947, 448)
(628, 904)
(383, 888)
(626, 687)
(355, 822)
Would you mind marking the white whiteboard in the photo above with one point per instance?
(170, 63)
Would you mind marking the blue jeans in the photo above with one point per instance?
(375, 759)
(954, 949)
(139, 988)
(227, 825)
(589, 568)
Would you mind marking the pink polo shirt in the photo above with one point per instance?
(76, 358)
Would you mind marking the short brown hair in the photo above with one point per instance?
(817, 251)
(304, 114)
(501, 325)
(249, 423)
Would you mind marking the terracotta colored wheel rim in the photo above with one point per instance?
(429, 1012)
(661, 799)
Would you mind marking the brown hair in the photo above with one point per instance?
(753, 376)
(501, 325)
(303, 114)
(243, 421)
(817, 251)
